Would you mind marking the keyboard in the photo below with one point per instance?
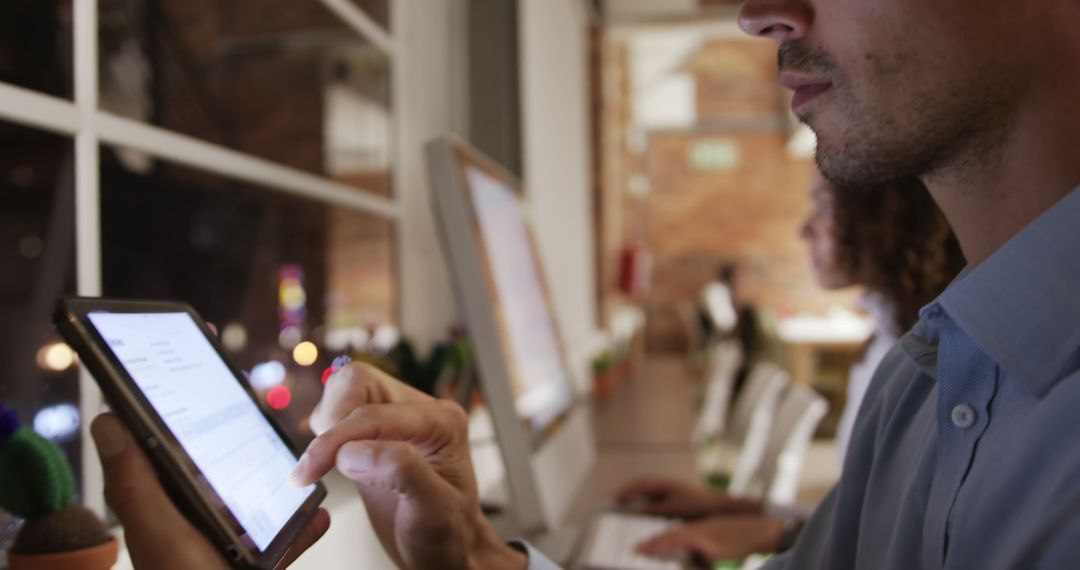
(615, 535)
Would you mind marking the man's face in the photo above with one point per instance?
(897, 88)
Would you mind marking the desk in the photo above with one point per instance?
(804, 358)
(805, 337)
(653, 408)
(642, 428)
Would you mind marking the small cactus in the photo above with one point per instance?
(36, 484)
(35, 478)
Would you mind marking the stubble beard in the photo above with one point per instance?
(926, 132)
(925, 139)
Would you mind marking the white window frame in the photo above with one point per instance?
(91, 127)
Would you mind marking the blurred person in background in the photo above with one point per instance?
(717, 305)
(726, 316)
(892, 241)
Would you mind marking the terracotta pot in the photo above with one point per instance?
(603, 382)
(101, 557)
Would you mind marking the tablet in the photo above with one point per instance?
(223, 460)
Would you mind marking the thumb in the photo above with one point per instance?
(132, 488)
(426, 526)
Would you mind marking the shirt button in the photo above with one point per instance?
(963, 416)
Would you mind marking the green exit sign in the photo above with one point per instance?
(714, 154)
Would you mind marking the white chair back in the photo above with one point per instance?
(724, 361)
(762, 390)
(793, 430)
(752, 422)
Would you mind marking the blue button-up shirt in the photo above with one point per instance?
(966, 452)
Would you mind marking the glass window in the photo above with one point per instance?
(36, 45)
(38, 374)
(272, 270)
(284, 81)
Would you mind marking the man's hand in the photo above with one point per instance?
(671, 498)
(158, 537)
(408, 454)
(718, 538)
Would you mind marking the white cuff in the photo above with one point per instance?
(537, 561)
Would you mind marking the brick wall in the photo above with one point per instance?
(726, 190)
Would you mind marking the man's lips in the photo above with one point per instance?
(806, 88)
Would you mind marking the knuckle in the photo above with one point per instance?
(363, 372)
(398, 459)
(397, 454)
(358, 413)
(454, 413)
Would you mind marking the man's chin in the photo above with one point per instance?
(838, 164)
(829, 148)
(818, 126)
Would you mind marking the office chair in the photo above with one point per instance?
(793, 429)
(724, 361)
(742, 448)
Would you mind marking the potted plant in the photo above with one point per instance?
(438, 374)
(603, 369)
(36, 484)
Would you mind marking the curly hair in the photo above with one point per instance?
(894, 239)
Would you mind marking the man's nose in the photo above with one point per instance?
(781, 20)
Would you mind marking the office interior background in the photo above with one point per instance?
(263, 160)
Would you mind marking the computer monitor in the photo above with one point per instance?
(544, 434)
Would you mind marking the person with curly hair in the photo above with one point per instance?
(895, 243)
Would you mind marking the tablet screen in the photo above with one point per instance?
(210, 414)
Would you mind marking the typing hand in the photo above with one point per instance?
(158, 537)
(672, 498)
(718, 538)
(408, 454)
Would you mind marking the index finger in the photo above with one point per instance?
(355, 385)
(430, 426)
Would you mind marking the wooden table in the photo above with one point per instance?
(804, 357)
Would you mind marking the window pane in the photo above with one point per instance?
(38, 375)
(36, 45)
(270, 269)
(285, 81)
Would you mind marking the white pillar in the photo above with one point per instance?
(429, 84)
(555, 125)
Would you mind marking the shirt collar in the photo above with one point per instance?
(921, 350)
(1022, 305)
